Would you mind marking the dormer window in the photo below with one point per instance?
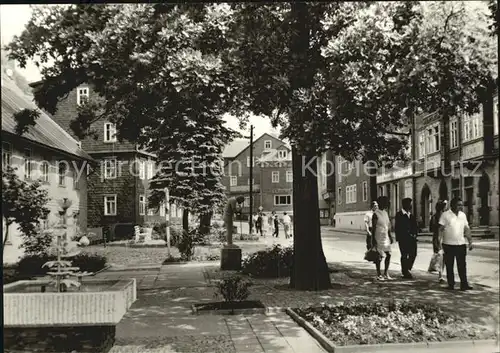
(82, 95)
(109, 132)
(282, 154)
(267, 144)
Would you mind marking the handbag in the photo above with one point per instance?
(372, 255)
(433, 265)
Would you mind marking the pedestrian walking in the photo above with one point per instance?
(382, 237)
(287, 221)
(454, 228)
(368, 224)
(437, 257)
(275, 224)
(258, 224)
(406, 235)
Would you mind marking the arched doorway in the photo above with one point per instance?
(484, 208)
(424, 206)
(443, 190)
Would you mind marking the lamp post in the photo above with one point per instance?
(251, 182)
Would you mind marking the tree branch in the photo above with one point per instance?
(396, 133)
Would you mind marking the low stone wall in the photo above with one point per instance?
(82, 339)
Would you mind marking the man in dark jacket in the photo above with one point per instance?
(406, 235)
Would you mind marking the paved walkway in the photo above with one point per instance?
(162, 322)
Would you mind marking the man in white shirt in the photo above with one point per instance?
(368, 224)
(454, 227)
(286, 224)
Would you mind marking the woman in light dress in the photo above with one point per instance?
(265, 224)
(382, 237)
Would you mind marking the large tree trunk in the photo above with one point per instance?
(185, 219)
(310, 270)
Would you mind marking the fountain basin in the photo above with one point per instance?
(98, 303)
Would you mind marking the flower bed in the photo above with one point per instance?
(358, 323)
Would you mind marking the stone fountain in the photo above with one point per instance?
(65, 313)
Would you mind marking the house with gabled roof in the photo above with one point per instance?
(236, 180)
(47, 153)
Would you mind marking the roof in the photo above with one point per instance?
(235, 147)
(45, 131)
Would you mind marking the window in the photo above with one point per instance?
(365, 191)
(142, 169)
(44, 171)
(248, 161)
(142, 205)
(339, 164)
(82, 95)
(76, 184)
(27, 163)
(110, 205)
(380, 191)
(289, 176)
(495, 118)
(282, 154)
(432, 139)
(453, 133)
(62, 169)
(409, 188)
(162, 209)
(110, 168)
(350, 194)
(253, 181)
(109, 132)
(324, 213)
(421, 145)
(267, 144)
(6, 155)
(339, 196)
(246, 203)
(275, 176)
(151, 211)
(233, 181)
(473, 127)
(282, 200)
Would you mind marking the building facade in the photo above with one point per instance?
(456, 157)
(353, 183)
(45, 152)
(268, 178)
(119, 186)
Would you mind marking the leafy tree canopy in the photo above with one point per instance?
(23, 204)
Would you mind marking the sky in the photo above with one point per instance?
(14, 18)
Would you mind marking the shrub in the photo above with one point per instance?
(171, 259)
(31, 265)
(89, 262)
(233, 289)
(270, 263)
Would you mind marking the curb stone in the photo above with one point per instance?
(382, 348)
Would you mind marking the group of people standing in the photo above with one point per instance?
(262, 223)
(450, 229)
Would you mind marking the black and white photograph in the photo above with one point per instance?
(235, 177)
